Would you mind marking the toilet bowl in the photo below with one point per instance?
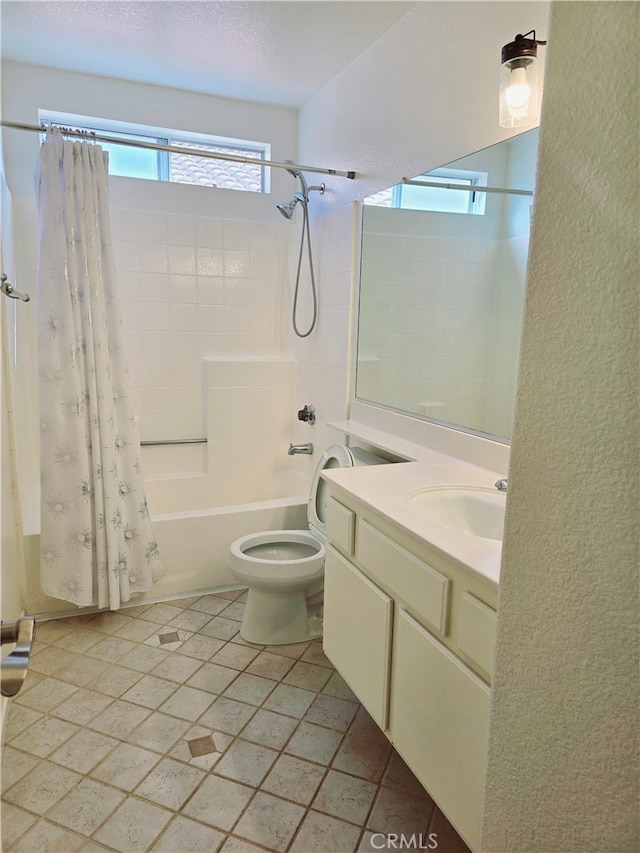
(284, 569)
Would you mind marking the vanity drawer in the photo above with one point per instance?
(341, 526)
(477, 636)
(422, 587)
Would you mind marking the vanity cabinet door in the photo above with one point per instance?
(440, 724)
(357, 633)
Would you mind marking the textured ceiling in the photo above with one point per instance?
(273, 52)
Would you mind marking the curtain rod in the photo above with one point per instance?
(468, 189)
(173, 149)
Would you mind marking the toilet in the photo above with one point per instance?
(284, 569)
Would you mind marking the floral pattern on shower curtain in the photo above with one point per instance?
(97, 544)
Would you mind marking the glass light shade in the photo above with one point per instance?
(519, 91)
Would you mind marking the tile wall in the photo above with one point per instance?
(323, 359)
(248, 409)
(200, 287)
(207, 316)
(193, 287)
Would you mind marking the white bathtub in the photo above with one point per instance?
(193, 543)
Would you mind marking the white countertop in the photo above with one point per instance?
(384, 489)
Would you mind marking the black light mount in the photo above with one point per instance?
(521, 48)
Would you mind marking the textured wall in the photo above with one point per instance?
(563, 772)
(424, 94)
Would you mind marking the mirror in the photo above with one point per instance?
(442, 279)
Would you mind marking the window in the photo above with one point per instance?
(151, 164)
(433, 198)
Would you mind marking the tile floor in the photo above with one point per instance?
(157, 728)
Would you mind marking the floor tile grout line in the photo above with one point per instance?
(99, 614)
(160, 758)
(162, 753)
(308, 809)
(128, 794)
(126, 741)
(46, 815)
(126, 738)
(257, 788)
(327, 768)
(310, 806)
(151, 710)
(179, 811)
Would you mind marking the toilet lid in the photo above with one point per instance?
(336, 456)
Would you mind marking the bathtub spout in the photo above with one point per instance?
(300, 448)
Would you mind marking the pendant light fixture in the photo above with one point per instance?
(519, 95)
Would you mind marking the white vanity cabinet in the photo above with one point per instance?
(357, 631)
(440, 723)
(412, 634)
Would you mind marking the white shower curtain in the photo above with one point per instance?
(97, 545)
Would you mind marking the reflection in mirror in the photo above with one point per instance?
(444, 260)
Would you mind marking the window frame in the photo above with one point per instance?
(477, 200)
(164, 136)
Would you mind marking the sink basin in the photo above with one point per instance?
(465, 509)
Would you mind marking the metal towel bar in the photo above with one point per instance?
(9, 290)
(173, 441)
(14, 666)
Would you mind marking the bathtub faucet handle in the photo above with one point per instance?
(307, 414)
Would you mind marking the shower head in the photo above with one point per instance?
(286, 208)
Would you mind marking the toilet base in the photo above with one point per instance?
(278, 618)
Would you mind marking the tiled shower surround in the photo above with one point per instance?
(191, 287)
(158, 728)
(206, 304)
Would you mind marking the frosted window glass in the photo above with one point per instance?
(184, 169)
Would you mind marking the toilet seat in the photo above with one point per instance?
(278, 568)
(275, 568)
(336, 456)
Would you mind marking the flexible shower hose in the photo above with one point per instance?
(305, 232)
